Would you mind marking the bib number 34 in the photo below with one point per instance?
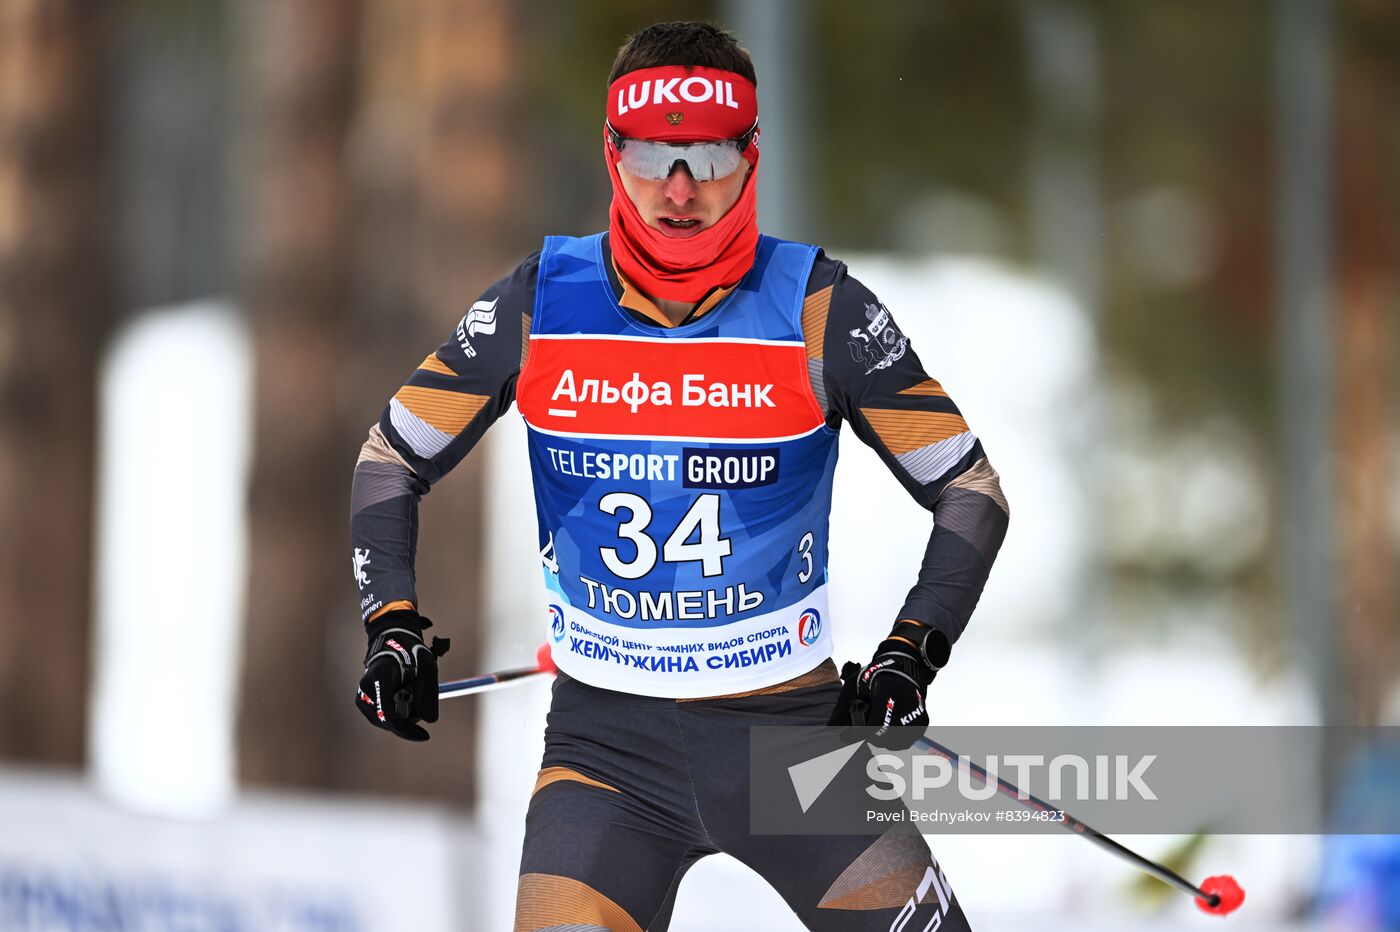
(701, 521)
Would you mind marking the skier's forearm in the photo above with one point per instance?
(970, 521)
(384, 527)
(428, 427)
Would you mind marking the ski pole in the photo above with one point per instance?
(544, 663)
(1219, 895)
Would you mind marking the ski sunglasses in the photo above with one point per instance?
(706, 161)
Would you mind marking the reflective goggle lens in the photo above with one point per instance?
(654, 160)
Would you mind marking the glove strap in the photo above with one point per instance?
(402, 621)
(899, 655)
(377, 648)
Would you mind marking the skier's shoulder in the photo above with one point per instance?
(832, 281)
(498, 318)
(518, 286)
(843, 300)
(509, 299)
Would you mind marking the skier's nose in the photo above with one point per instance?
(680, 186)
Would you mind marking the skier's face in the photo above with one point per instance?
(680, 206)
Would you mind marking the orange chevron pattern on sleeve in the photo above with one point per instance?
(433, 364)
(815, 309)
(927, 387)
(449, 412)
(902, 431)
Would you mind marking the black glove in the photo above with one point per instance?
(889, 692)
(400, 684)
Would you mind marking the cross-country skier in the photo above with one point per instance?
(683, 380)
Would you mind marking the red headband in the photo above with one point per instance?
(675, 103)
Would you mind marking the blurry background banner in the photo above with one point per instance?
(1151, 248)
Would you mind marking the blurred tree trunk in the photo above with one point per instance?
(51, 324)
(301, 58)
(436, 180)
(1366, 305)
(380, 219)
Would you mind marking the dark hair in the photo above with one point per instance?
(687, 44)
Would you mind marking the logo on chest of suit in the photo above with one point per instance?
(702, 389)
(694, 390)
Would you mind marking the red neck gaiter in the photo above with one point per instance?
(677, 104)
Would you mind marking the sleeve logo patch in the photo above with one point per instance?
(361, 560)
(479, 321)
(879, 344)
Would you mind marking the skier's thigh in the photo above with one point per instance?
(593, 859)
